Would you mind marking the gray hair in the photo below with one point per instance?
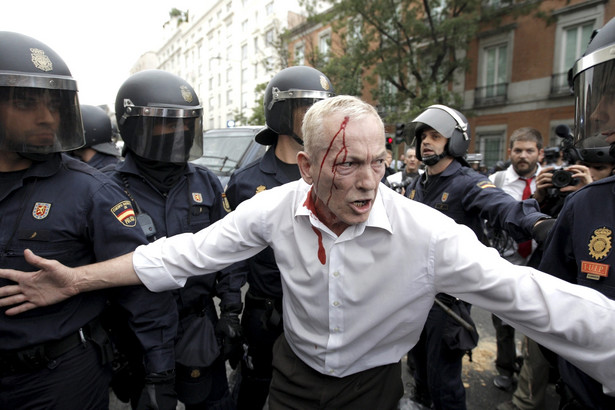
(313, 128)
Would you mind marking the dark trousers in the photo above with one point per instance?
(506, 349)
(295, 385)
(255, 381)
(75, 380)
(437, 373)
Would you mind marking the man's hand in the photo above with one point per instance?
(52, 283)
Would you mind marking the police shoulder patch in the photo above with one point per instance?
(260, 188)
(125, 214)
(485, 184)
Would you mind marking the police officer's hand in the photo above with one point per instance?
(541, 229)
(158, 392)
(228, 330)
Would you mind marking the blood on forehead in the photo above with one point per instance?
(342, 152)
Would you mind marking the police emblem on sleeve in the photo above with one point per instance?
(125, 214)
(600, 243)
(41, 210)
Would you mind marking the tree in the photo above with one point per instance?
(411, 52)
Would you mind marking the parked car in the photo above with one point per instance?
(228, 149)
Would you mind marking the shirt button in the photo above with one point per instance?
(336, 274)
(331, 371)
(336, 303)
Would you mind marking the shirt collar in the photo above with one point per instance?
(378, 217)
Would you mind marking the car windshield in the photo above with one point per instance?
(222, 152)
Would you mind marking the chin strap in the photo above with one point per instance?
(297, 138)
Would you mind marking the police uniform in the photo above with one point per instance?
(580, 250)
(469, 198)
(100, 160)
(262, 316)
(193, 203)
(58, 356)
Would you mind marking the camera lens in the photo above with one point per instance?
(562, 178)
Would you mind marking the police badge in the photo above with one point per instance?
(600, 243)
(40, 60)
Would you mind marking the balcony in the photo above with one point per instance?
(560, 86)
(493, 94)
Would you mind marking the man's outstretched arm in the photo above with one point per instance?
(54, 282)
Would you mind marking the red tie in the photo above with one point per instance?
(525, 248)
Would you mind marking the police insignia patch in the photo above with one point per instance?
(485, 184)
(600, 243)
(444, 197)
(260, 188)
(324, 83)
(41, 210)
(40, 60)
(197, 197)
(412, 194)
(186, 94)
(125, 214)
(225, 204)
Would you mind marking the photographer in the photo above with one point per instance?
(552, 186)
(400, 180)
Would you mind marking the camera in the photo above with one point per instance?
(399, 186)
(562, 178)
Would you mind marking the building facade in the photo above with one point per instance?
(225, 50)
(518, 74)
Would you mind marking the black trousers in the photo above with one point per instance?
(76, 380)
(295, 385)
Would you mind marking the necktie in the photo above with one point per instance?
(525, 248)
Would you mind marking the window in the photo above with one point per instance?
(229, 96)
(494, 65)
(300, 54)
(573, 31)
(495, 70)
(269, 8)
(269, 37)
(324, 43)
(492, 144)
(244, 26)
(244, 52)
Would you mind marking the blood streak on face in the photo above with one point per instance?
(343, 150)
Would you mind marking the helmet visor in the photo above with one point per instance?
(38, 120)
(595, 110)
(292, 114)
(164, 139)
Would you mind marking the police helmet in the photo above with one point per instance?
(293, 87)
(447, 121)
(593, 80)
(98, 130)
(159, 117)
(36, 86)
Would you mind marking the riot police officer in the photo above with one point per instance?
(288, 96)
(99, 150)
(160, 119)
(580, 248)
(448, 184)
(60, 357)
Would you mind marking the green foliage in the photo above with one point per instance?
(258, 112)
(411, 52)
(182, 16)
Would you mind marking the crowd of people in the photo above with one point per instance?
(124, 270)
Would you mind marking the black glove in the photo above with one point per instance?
(541, 230)
(158, 392)
(228, 331)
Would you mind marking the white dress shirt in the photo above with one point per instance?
(364, 302)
